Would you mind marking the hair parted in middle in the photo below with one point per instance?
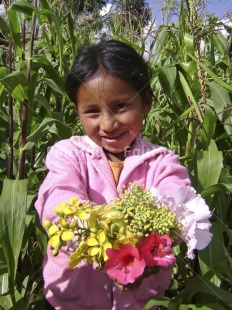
(112, 57)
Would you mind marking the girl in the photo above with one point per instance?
(110, 88)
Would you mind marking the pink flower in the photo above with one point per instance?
(195, 215)
(156, 250)
(124, 264)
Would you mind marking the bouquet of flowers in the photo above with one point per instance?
(133, 236)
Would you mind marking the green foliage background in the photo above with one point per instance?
(191, 114)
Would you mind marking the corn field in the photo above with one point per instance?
(191, 63)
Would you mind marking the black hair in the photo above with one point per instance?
(113, 57)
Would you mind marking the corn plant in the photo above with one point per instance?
(34, 113)
(192, 115)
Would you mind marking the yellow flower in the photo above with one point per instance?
(67, 235)
(47, 224)
(52, 230)
(63, 223)
(65, 209)
(98, 245)
(82, 215)
(54, 241)
(74, 202)
(78, 255)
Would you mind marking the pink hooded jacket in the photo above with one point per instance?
(79, 167)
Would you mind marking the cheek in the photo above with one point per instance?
(134, 119)
(89, 126)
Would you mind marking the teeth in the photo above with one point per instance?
(112, 138)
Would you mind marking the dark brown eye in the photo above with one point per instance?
(92, 111)
(121, 106)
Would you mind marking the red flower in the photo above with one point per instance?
(124, 264)
(156, 250)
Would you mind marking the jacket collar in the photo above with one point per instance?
(139, 151)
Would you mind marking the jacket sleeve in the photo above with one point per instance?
(167, 173)
(63, 181)
(67, 177)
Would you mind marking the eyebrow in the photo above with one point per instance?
(122, 99)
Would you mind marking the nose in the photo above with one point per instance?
(108, 121)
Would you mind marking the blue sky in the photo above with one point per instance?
(219, 7)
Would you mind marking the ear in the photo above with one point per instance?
(147, 102)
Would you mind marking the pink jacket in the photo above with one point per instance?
(78, 167)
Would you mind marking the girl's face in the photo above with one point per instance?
(111, 112)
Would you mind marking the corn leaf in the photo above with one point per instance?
(202, 285)
(220, 42)
(212, 74)
(15, 30)
(46, 125)
(17, 85)
(222, 103)
(13, 208)
(23, 6)
(213, 254)
(208, 126)
(3, 26)
(208, 168)
(189, 94)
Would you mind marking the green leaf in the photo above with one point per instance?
(160, 41)
(226, 178)
(208, 168)
(57, 22)
(213, 189)
(213, 254)
(173, 305)
(28, 230)
(40, 235)
(4, 279)
(212, 74)
(208, 306)
(46, 125)
(167, 77)
(208, 126)
(201, 285)
(50, 70)
(17, 85)
(188, 41)
(157, 302)
(71, 27)
(220, 206)
(3, 73)
(4, 27)
(220, 42)
(13, 208)
(54, 86)
(15, 31)
(45, 4)
(4, 284)
(6, 302)
(222, 104)
(23, 6)
(189, 95)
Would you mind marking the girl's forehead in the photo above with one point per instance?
(105, 84)
(105, 88)
(104, 79)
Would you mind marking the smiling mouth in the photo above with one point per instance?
(113, 137)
